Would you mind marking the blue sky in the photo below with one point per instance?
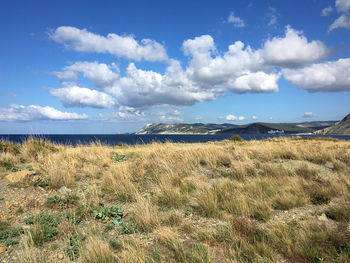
(114, 66)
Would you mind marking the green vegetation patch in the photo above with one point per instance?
(9, 147)
(44, 227)
(118, 158)
(9, 235)
(62, 202)
(73, 248)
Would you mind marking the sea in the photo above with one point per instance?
(133, 139)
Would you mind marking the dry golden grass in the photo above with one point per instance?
(97, 250)
(277, 200)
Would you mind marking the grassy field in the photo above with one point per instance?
(278, 200)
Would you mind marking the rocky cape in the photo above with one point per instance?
(227, 128)
(341, 127)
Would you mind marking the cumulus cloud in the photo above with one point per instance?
(308, 114)
(231, 117)
(326, 11)
(235, 20)
(33, 112)
(256, 82)
(82, 97)
(100, 74)
(342, 5)
(342, 21)
(208, 75)
(120, 46)
(328, 76)
(254, 117)
(293, 50)
(144, 89)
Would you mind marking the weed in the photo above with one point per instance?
(8, 147)
(207, 203)
(340, 212)
(62, 202)
(145, 214)
(118, 158)
(319, 196)
(261, 212)
(115, 244)
(113, 212)
(286, 202)
(128, 228)
(44, 227)
(72, 250)
(97, 250)
(9, 235)
(42, 182)
(306, 172)
(108, 228)
(236, 138)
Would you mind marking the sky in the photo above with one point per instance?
(106, 67)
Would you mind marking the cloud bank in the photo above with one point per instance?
(33, 112)
(208, 75)
(119, 46)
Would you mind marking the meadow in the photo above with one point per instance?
(274, 200)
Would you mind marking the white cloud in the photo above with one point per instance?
(67, 74)
(209, 71)
(293, 50)
(100, 74)
(82, 97)
(170, 119)
(328, 76)
(254, 117)
(308, 114)
(124, 114)
(231, 117)
(272, 15)
(326, 11)
(175, 113)
(235, 20)
(33, 112)
(208, 75)
(145, 89)
(342, 5)
(342, 21)
(120, 46)
(255, 82)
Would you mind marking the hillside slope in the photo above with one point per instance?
(264, 128)
(210, 128)
(342, 127)
(179, 128)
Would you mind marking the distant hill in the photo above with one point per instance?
(180, 128)
(341, 127)
(316, 125)
(253, 128)
(264, 128)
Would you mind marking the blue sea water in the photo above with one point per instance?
(132, 139)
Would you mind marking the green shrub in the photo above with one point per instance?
(236, 138)
(44, 227)
(9, 235)
(72, 250)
